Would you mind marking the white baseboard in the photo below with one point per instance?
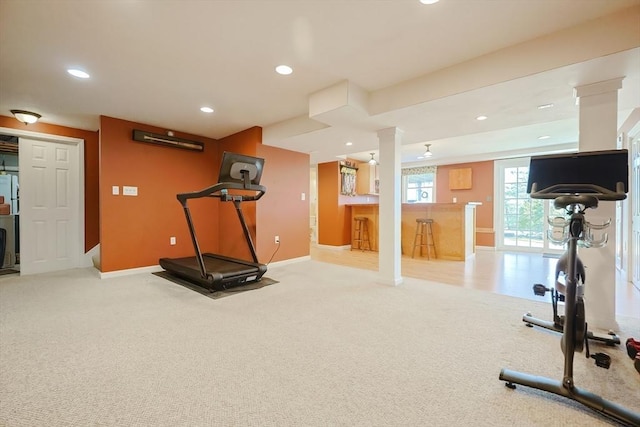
(289, 261)
(131, 271)
(157, 268)
(335, 248)
(92, 258)
(486, 248)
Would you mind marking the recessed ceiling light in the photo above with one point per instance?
(544, 106)
(481, 118)
(206, 109)
(78, 73)
(429, 1)
(544, 137)
(285, 70)
(348, 143)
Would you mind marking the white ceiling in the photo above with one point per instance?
(429, 70)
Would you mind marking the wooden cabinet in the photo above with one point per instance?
(367, 179)
(460, 179)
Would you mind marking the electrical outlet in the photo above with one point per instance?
(172, 240)
(277, 239)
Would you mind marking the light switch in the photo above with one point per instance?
(129, 191)
(303, 196)
(115, 190)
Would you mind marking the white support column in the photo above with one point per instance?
(598, 124)
(389, 255)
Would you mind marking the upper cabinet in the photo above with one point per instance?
(367, 181)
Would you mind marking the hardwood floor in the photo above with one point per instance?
(507, 273)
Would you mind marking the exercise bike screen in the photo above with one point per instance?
(603, 168)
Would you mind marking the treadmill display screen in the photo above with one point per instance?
(233, 164)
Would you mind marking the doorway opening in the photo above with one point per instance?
(9, 205)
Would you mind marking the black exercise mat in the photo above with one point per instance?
(265, 281)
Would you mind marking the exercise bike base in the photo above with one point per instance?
(608, 339)
(593, 401)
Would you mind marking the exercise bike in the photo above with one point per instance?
(559, 234)
(576, 182)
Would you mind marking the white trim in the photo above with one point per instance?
(335, 248)
(41, 136)
(130, 271)
(486, 248)
(393, 282)
(89, 259)
(81, 166)
(157, 268)
(289, 261)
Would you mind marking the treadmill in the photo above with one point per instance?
(239, 181)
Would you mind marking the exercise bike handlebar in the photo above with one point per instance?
(220, 189)
(578, 193)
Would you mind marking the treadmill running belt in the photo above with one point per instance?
(225, 272)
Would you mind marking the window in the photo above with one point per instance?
(418, 184)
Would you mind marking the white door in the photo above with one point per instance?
(635, 208)
(49, 200)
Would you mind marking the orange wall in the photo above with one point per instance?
(135, 231)
(281, 211)
(333, 216)
(481, 191)
(91, 163)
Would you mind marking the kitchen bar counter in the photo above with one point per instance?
(453, 227)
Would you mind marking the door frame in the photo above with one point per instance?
(79, 142)
(632, 266)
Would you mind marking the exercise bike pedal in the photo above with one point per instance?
(603, 360)
(540, 290)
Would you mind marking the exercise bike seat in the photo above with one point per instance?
(562, 267)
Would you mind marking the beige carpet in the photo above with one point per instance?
(327, 346)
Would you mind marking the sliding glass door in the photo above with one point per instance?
(521, 221)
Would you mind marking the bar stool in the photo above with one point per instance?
(424, 237)
(361, 233)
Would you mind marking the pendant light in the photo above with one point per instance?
(427, 153)
(372, 161)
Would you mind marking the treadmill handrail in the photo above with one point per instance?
(217, 188)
